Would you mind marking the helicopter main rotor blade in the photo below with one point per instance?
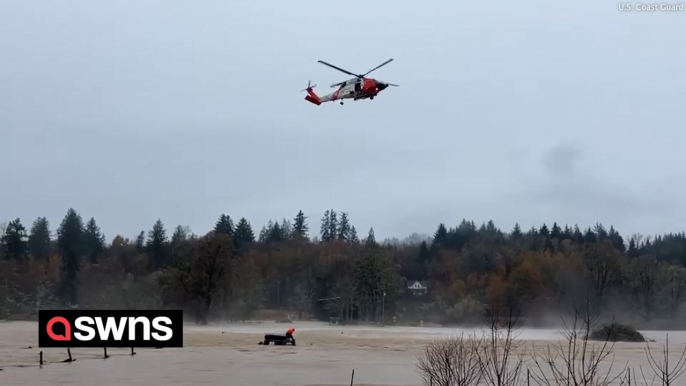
(379, 66)
(387, 84)
(339, 69)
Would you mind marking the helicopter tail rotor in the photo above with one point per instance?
(311, 96)
(309, 86)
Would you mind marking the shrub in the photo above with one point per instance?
(615, 332)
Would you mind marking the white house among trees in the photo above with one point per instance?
(418, 287)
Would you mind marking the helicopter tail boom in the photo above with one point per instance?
(314, 100)
(311, 95)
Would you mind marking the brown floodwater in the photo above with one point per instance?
(228, 354)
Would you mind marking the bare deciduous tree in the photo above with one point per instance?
(495, 354)
(661, 368)
(451, 362)
(642, 275)
(602, 263)
(575, 361)
(673, 284)
(302, 298)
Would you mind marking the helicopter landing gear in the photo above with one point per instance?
(341, 103)
(371, 98)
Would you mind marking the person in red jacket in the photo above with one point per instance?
(289, 335)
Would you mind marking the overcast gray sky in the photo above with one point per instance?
(534, 111)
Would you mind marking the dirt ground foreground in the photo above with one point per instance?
(229, 354)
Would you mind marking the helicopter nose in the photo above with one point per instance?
(381, 86)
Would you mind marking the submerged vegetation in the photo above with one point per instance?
(233, 271)
(615, 332)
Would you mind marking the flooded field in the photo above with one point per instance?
(229, 354)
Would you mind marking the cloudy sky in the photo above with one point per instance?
(532, 111)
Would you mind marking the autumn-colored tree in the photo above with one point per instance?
(527, 278)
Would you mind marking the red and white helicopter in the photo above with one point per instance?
(359, 87)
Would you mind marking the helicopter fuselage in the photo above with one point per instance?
(356, 88)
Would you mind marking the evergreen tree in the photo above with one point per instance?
(70, 242)
(441, 236)
(441, 239)
(371, 239)
(633, 250)
(578, 236)
(599, 230)
(274, 233)
(333, 224)
(325, 230)
(39, 239)
(181, 233)
(344, 228)
(544, 231)
(424, 258)
(224, 225)
(243, 235)
(516, 232)
(15, 241)
(178, 242)
(300, 227)
(556, 232)
(616, 239)
(647, 244)
(353, 236)
(567, 233)
(467, 228)
(157, 246)
(589, 236)
(482, 228)
(374, 274)
(140, 242)
(490, 227)
(264, 233)
(286, 230)
(94, 241)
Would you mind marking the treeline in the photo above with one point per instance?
(233, 271)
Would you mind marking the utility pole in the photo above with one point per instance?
(383, 309)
